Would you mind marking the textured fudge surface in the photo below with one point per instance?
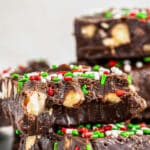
(30, 67)
(40, 100)
(140, 72)
(114, 33)
(92, 137)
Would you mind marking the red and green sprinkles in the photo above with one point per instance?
(103, 130)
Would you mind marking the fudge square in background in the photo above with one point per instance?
(38, 101)
(31, 66)
(113, 33)
(90, 137)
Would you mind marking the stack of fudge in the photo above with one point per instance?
(73, 108)
(90, 105)
(121, 38)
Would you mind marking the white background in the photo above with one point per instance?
(43, 28)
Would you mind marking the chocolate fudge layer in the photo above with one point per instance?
(114, 33)
(101, 137)
(140, 72)
(30, 67)
(40, 100)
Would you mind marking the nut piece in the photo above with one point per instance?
(67, 143)
(102, 33)
(120, 35)
(104, 25)
(112, 97)
(88, 31)
(146, 47)
(30, 142)
(73, 98)
(34, 102)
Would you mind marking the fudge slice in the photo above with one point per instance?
(106, 137)
(39, 100)
(30, 67)
(113, 33)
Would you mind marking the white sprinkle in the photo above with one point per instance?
(139, 64)
(48, 78)
(60, 76)
(127, 68)
(77, 73)
(43, 80)
(139, 132)
(116, 70)
(127, 62)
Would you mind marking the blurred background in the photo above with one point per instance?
(44, 28)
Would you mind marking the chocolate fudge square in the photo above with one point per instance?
(114, 33)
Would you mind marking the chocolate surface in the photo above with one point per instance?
(125, 36)
(40, 105)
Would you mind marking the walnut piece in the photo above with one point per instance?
(104, 25)
(119, 35)
(146, 47)
(30, 142)
(34, 102)
(88, 31)
(112, 97)
(102, 33)
(73, 98)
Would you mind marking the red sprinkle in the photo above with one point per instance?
(62, 72)
(132, 14)
(142, 125)
(87, 134)
(35, 77)
(143, 20)
(50, 91)
(120, 92)
(112, 63)
(68, 78)
(106, 72)
(108, 127)
(123, 128)
(101, 129)
(77, 148)
(83, 130)
(6, 70)
(77, 70)
(63, 130)
(21, 67)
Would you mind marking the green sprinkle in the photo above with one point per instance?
(96, 68)
(44, 74)
(146, 131)
(147, 59)
(20, 84)
(59, 132)
(127, 133)
(80, 126)
(55, 79)
(15, 75)
(108, 14)
(88, 126)
(84, 89)
(98, 125)
(17, 132)
(88, 147)
(75, 67)
(25, 75)
(70, 74)
(56, 146)
(98, 134)
(119, 125)
(130, 125)
(115, 128)
(91, 75)
(141, 15)
(75, 132)
(54, 67)
(94, 136)
(129, 79)
(103, 79)
(84, 75)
